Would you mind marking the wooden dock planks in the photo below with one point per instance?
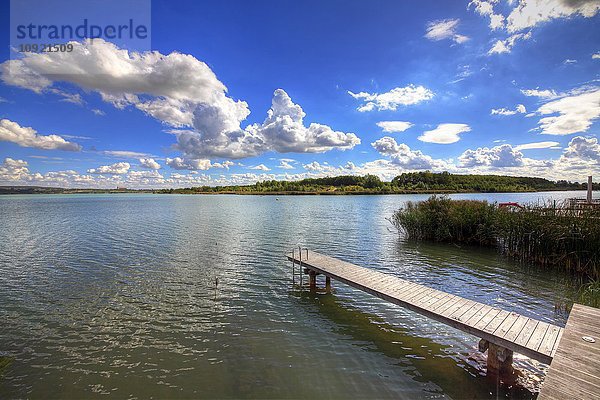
(532, 338)
(575, 369)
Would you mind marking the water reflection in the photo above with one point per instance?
(458, 375)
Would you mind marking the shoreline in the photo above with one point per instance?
(405, 183)
(59, 191)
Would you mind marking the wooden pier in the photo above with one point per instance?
(501, 332)
(575, 370)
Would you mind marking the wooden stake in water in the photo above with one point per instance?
(589, 191)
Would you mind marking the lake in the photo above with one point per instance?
(115, 294)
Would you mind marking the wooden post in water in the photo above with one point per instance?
(312, 280)
(589, 191)
(327, 285)
(499, 359)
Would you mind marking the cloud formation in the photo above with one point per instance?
(11, 131)
(586, 149)
(525, 15)
(500, 156)
(283, 131)
(519, 109)
(224, 164)
(530, 13)
(572, 113)
(444, 133)
(124, 154)
(537, 145)
(402, 156)
(189, 164)
(543, 94)
(149, 163)
(394, 126)
(260, 167)
(286, 163)
(114, 169)
(506, 45)
(13, 170)
(180, 91)
(400, 96)
(445, 29)
(486, 9)
(580, 158)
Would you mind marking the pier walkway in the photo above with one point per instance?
(502, 332)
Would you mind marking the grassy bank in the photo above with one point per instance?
(551, 237)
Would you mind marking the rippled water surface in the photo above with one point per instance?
(116, 294)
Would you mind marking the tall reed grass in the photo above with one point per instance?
(546, 234)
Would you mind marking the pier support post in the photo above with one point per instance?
(499, 359)
(327, 285)
(483, 345)
(312, 280)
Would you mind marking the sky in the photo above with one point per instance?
(234, 92)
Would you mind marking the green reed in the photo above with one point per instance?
(546, 234)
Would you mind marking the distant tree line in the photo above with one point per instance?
(410, 182)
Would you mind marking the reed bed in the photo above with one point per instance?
(547, 234)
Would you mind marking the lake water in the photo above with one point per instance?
(115, 294)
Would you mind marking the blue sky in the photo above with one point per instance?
(247, 91)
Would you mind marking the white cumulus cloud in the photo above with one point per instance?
(506, 45)
(189, 164)
(400, 96)
(519, 109)
(525, 15)
(286, 163)
(282, 131)
(402, 156)
(180, 91)
(113, 169)
(394, 126)
(529, 13)
(149, 163)
(13, 170)
(260, 167)
(583, 148)
(224, 164)
(316, 167)
(11, 131)
(543, 94)
(444, 133)
(486, 9)
(500, 156)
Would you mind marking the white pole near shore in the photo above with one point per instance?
(589, 192)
